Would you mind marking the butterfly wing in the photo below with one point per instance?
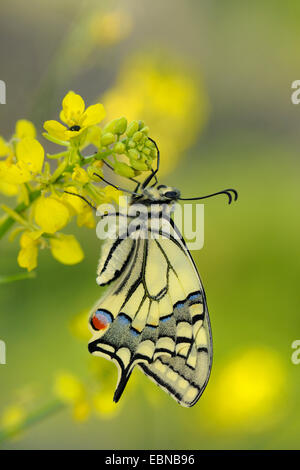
(155, 315)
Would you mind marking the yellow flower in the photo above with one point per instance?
(112, 194)
(170, 100)
(4, 148)
(68, 388)
(78, 325)
(9, 189)
(81, 410)
(247, 390)
(25, 129)
(30, 159)
(79, 174)
(51, 214)
(31, 153)
(66, 249)
(111, 27)
(27, 257)
(86, 218)
(104, 405)
(75, 116)
(13, 416)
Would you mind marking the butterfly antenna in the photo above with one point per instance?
(225, 191)
(116, 187)
(83, 198)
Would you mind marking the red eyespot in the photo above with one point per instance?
(100, 320)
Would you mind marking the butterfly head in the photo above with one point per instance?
(161, 193)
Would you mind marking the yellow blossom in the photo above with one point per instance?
(112, 194)
(111, 27)
(31, 153)
(79, 174)
(66, 249)
(13, 416)
(27, 257)
(86, 218)
(75, 116)
(81, 410)
(68, 388)
(51, 214)
(4, 148)
(104, 406)
(25, 129)
(170, 99)
(78, 325)
(247, 390)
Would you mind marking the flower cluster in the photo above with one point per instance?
(46, 195)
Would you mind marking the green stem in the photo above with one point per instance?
(9, 221)
(17, 277)
(33, 418)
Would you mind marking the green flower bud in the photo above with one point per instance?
(139, 165)
(107, 139)
(110, 126)
(141, 124)
(137, 136)
(119, 148)
(123, 169)
(132, 128)
(133, 154)
(131, 144)
(145, 130)
(120, 125)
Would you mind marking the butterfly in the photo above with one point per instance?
(154, 315)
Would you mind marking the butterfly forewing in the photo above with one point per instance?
(155, 314)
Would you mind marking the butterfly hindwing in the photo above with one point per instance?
(155, 315)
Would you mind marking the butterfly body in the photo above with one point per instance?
(154, 314)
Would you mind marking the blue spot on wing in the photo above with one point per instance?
(104, 314)
(123, 319)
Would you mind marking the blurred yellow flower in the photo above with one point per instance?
(75, 116)
(4, 148)
(27, 257)
(110, 28)
(25, 129)
(13, 416)
(51, 214)
(66, 249)
(81, 410)
(246, 390)
(104, 405)
(165, 95)
(78, 325)
(68, 388)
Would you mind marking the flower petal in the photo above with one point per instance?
(51, 214)
(93, 115)
(73, 107)
(14, 173)
(66, 249)
(25, 129)
(4, 148)
(56, 129)
(30, 152)
(27, 257)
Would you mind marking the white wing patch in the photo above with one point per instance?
(155, 316)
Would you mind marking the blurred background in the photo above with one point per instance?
(212, 80)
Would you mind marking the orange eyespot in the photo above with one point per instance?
(101, 319)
